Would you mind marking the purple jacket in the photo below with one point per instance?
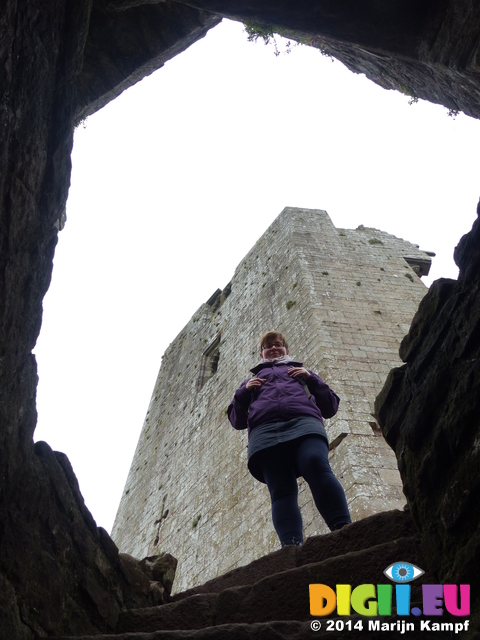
(280, 398)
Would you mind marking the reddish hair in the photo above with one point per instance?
(273, 335)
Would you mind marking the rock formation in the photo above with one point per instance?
(429, 410)
(61, 60)
(129, 40)
(426, 49)
(269, 598)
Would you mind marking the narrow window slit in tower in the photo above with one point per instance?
(209, 365)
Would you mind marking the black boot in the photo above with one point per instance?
(292, 541)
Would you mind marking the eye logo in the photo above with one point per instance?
(403, 572)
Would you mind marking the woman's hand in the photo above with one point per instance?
(255, 383)
(298, 372)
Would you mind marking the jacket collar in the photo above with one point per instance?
(265, 365)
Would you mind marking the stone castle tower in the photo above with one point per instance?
(345, 299)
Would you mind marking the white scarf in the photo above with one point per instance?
(281, 360)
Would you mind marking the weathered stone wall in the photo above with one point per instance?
(345, 299)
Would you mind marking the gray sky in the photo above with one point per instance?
(174, 182)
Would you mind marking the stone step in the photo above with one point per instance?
(269, 598)
(286, 630)
(292, 630)
(281, 596)
(369, 532)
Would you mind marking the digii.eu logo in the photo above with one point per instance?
(377, 600)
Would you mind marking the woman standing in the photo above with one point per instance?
(283, 407)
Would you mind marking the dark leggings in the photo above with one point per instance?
(308, 457)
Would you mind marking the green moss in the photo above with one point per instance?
(196, 521)
(375, 241)
(290, 304)
(408, 91)
(267, 33)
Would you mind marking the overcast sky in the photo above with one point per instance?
(173, 183)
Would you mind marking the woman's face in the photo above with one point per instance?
(273, 348)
